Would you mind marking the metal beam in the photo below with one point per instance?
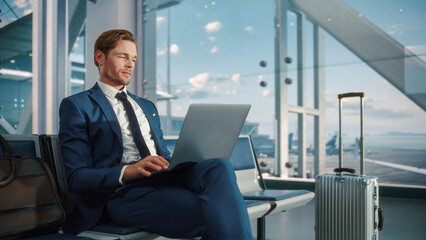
(319, 100)
(281, 102)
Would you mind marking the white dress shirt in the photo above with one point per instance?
(130, 151)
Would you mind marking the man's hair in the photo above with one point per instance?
(108, 39)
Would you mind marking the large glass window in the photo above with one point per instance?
(395, 129)
(394, 122)
(220, 52)
(223, 52)
(15, 66)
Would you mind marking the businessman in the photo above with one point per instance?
(111, 141)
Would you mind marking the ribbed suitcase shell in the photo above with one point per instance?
(346, 207)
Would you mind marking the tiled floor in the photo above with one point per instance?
(404, 219)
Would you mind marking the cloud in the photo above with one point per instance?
(231, 92)
(221, 78)
(160, 20)
(215, 88)
(396, 30)
(214, 50)
(197, 94)
(211, 38)
(27, 11)
(213, 26)
(351, 106)
(161, 52)
(266, 92)
(200, 80)
(249, 29)
(174, 49)
(20, 3)
(384, 113)
(236, 78)
(417, 49)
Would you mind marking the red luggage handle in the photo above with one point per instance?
(361, 139)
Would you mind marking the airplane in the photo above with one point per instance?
(269, 150)
(330, 146)
(332, 150)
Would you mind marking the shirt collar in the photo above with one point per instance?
(110, 91)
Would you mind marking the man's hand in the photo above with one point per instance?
(144, 167)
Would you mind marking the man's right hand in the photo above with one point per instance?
(144, 167)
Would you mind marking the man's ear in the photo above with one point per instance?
(100, 57)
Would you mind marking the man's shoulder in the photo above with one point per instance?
(78, 98)
(140, 99)
(82, 95)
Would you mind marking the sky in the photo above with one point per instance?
(19, 7)
(216, 48)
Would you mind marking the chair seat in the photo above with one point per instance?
(284, 199)
(273, 195)
(257, 209)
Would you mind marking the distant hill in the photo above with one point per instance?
(394, 133)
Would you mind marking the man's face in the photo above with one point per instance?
(116, 69)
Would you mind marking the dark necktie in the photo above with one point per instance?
(134, 125)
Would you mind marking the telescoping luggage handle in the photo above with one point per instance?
(361, 140)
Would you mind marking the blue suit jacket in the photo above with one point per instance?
(92, 147)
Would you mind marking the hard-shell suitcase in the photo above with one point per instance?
(347, 204)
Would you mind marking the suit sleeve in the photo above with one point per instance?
(77, 153)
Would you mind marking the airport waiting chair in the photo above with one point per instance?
(51, 149)
(29, 145)
(252, 187)
(251, 183)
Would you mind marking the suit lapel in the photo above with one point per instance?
(146, 107)
(150, 114)
(99, 97)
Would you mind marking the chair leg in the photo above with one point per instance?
(261, 222)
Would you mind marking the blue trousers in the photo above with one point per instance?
(202, 200)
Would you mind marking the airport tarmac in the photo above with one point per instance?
(389, 165)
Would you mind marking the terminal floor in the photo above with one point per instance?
(403, 219)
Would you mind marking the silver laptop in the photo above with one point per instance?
(208, 131)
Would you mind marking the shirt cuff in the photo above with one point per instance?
(120, 180)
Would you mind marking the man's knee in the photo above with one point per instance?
(219, 167)
(219, 163)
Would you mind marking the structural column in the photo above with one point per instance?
(50, 54)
